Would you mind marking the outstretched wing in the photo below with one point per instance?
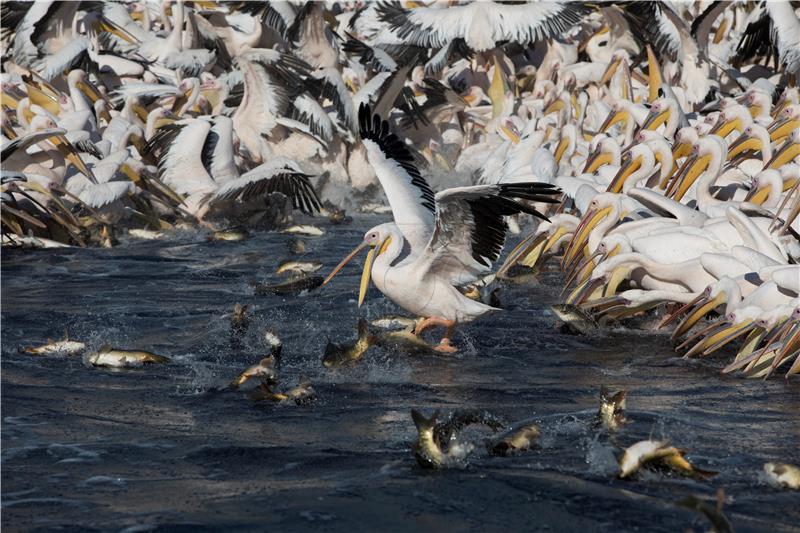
(409, 195)
(275, 176)
(470, 227)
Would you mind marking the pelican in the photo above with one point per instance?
(436, 242)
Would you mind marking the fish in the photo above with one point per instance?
(336, 215)
(427, 451)
(434, 433)
(107, 356)
(404, 341)
(291, 287)
(394, 322)
(378, 209)
(64, 347)
(233, 234)
(515, 440)
(302, 394)
(297, 247)
(575, 318)
(263, 370)
(347, 354)
(612, 409)
(274, 344)
(635, 456)
(661, 455)
(304, 229)
(146, 234)
(783, 475)
(292, 266)
(719, 521)
(239, 319)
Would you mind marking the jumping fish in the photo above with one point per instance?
(291, 287)
(344, 354)
(304, 229)
(116, 358)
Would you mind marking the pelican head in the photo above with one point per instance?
(377, 240)
(786, 121)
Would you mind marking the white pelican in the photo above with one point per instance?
(435, 243)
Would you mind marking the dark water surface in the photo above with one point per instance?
(162, 448)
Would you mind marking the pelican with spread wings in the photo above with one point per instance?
(436, 242)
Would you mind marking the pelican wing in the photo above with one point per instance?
(268, 178)
(102, 194)
(470, 228)
(480, 24)
(374, 57)
(190, 63)
(180, 164)
(331, 86)
(651, 23)
(409, 195)
(27, 140)
(309, 112)
(70, 55)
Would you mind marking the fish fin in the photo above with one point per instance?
(153, 358)
(703, 473)
(604, 391)
(66, 334)
(49, 340)
(104, 348)
(268, 361)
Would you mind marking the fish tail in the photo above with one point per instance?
(153, 358)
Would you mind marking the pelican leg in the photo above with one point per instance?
(430, 322)
(444, 345)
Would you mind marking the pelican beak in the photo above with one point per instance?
(562, 146)
(140, 111)
(613, 118)
(721, 337)
(721, 31)
(597, 159)
(71, 154)
(785, 154)
(627, 169)
(91, 92)
(131, 174)
(108, 26)
(557, 105)
(681, 150)
(582, 46)
(42, 99)
(374, 251)
(8, 100)
(583, 270)
(724, 127)
(511, 132)
(743, 143)
(758, 195)
(346, 260)
(610, 70)
(678, 312)
(589, 291)
(582, 234)
(654, 75)
(702, 307)
(654, 120)
(618, 275)
(531, 242)
(497, 89)
(780, 129)
(697, 166)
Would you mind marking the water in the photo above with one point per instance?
(164, 448)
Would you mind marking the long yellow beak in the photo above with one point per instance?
(720, 338)
(698, 313)
(785, 154)
(344, 261)
(365, 275)
(780, 129)
(610, 70)
(597, 160)
(654, 75)
(627, 169)
(758, 195)
(618, 275)
(582, 235)
(697, 167)
(743, 143)
(654, 120)
(563, 144)
(613, 118)
(723, 128)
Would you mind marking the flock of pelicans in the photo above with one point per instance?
(654, 147)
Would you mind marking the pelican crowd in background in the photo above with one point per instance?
(650, 149)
